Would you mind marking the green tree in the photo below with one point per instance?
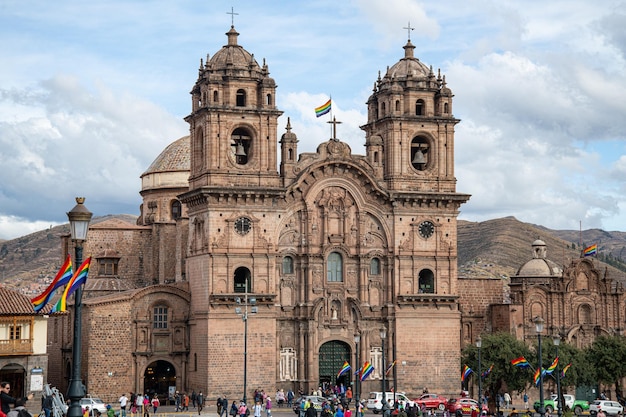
(499, 350)
(607, 355)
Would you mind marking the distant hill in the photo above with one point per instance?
(493, 248)
(499, 247)
(27, 262)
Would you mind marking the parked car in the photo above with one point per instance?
(375, 400)
(315, 400)
(432, 401)
(464, 406)
(577, 406)
(94, 403)
(610, 408)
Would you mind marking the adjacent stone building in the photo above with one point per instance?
(577, 301)
(329, 245)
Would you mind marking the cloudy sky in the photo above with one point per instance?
(91, 92)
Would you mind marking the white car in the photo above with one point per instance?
(610, 408)
(375, 400)
(94, 403)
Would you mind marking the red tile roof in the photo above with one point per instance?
(12, 303)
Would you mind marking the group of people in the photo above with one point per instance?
(19, 404)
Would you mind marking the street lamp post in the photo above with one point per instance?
(556, 340)
(539, 327)
(479, 343)
(357, 339)
(244, 316)
(79, 218)
(383, 336)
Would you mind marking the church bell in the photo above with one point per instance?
(240, 151)
(418, 158)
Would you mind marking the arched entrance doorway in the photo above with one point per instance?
(158, 378)
(13, 373)
(332, 355)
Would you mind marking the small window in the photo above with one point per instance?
(426, 281)
(397, 105)
(445, 108)
(215, 96)
(241, 98)
(419, 107)
(269, 99)
(176, 210)
(383, 109)
(375, 266)
(335, 267)
(287, 265)
(15, 332)
(160, 317)
(242, 280)
(107, 266)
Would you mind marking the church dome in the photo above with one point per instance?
(233, 56)
(409, 66)
(171, 168)
(175, 157)
(539, 266)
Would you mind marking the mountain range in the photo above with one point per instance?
(494, 248)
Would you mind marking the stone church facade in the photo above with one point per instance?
(329, 245)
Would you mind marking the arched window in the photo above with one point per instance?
(445, 108)
(241, 145)
(335, 267)
(287, 265)
(426, 281)
(269, 99)
(375, 266)
(420, 153)
(290, 154)
(241, 98)
(397, 105)
(241, 278)
(215, 96)
(160, 317)
(375, 156)
(419, 107)
(177, 210)
(383, 108)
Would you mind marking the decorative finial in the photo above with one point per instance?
(409, 29)
(288, 128)
(232, 16)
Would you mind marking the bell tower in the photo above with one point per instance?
(233, 123)
(410, 112)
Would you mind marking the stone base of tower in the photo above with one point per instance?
(427, 351)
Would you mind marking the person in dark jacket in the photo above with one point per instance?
(6, 399)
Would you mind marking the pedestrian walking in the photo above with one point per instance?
(200, 402)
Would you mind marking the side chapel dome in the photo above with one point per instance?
(539, 266)
(171, 168)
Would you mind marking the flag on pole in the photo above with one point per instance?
(78, 279)
(565, 369)
(391, 365)
(591, 250)
(367, 369)
(62, 277)
(536, 376)
(466, 372)
(345, 368)
(488, 371)
(552, 366)
(520, 362)
(323, 109)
